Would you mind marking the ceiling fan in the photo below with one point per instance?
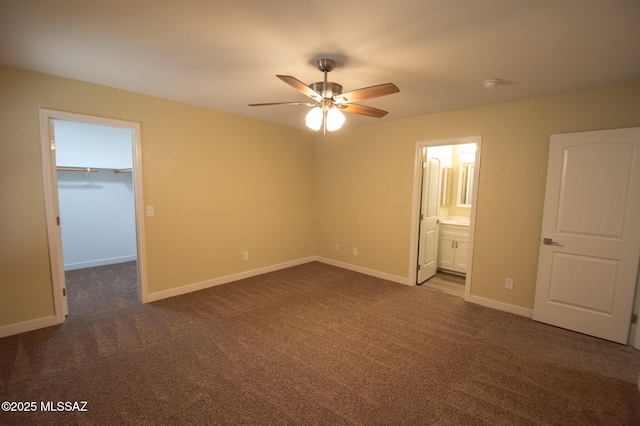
(329, 101)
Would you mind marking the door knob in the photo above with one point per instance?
(550, 242)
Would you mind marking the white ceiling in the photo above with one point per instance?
(225, 54)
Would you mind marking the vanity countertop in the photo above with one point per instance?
(455, 222)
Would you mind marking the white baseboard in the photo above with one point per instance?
(512, 309)
(23, 327)
(366, 271)
(524, 312)
(99, 262)
(152, 297)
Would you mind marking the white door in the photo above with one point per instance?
(427, 249)
(56, 209)
(590, 242)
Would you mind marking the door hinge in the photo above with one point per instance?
(57, 220)
(419, 267)
(634, 319)
(421, 216)
(424, 164)
(64, 292)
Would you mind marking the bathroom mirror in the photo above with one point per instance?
(465, 185)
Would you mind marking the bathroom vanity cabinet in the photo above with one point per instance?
(453, 248)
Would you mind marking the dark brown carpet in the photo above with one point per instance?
(104, 288)
(316, 344)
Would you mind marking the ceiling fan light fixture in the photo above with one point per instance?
(335, 119)
(329, 102)
(314, 118)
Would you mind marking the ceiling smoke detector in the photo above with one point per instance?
(491, 83)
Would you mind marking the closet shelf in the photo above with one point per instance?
(89, 169)
(77, 169)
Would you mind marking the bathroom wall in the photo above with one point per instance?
(449, 156)
(458, 158)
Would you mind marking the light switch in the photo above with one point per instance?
(149, 210)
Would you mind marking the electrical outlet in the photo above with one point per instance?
(245, 255)
(508, 283)
(355, 251)
(336, 247)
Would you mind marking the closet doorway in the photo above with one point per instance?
(444, 213)
(93, 194)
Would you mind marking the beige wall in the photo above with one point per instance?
(365, 184)
(220, 184)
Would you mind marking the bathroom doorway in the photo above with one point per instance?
(447, 197)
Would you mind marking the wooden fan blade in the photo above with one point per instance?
(363, 110)
(301, 87)
(367, 93)
(285, 103)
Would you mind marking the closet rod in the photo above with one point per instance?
(122, 170)
(77, 169)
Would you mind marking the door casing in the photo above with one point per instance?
(415, 211)
(52, 212)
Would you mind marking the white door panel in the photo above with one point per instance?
(427, 250)
(584, 282)
(594, 189)
(588, 264)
